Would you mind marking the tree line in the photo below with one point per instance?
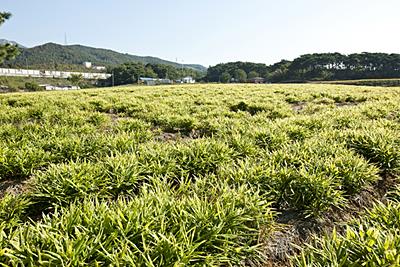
(129, 73)
(311, 67)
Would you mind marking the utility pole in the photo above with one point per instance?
(112, 75)
(182, 70)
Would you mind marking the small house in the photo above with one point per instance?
(100, 68)
(164, 81)
(87, 64)
(49, 87)
(256, 80)
(147, 81)
(154, 81)
(188, 79)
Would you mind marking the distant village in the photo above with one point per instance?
(157, 81)
(101, 75)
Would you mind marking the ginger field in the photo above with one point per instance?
(201, 175)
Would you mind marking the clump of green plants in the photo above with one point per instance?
(13, 211)
(19, 163)
(379, 146)
(271, 140)
(372, 240)
(272, 111)
(156, 228)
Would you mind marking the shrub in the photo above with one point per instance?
(32, 86)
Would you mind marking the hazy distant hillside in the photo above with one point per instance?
(4, 41)
(50, 54)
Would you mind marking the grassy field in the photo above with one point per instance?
(202, 175)
(394, 82)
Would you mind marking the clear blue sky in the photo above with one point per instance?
(209, 31)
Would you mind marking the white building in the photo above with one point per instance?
(87, 64)
(49, 87)
(148, 81)
(154, 81)
(188, 79)
(101, 68)
(51, 74)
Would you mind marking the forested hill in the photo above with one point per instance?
(312, 67)
(51, 55)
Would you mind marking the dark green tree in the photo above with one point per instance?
(149, 72)
(253, 74)
(240, 75)
(214, 73)
(33, 87)
(4, 16)
(7, 51)
(128, 73)
(76, 79)
(225, 77)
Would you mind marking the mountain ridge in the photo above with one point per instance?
(52, 53)
(5, 41)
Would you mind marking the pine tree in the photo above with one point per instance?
(7, 51)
